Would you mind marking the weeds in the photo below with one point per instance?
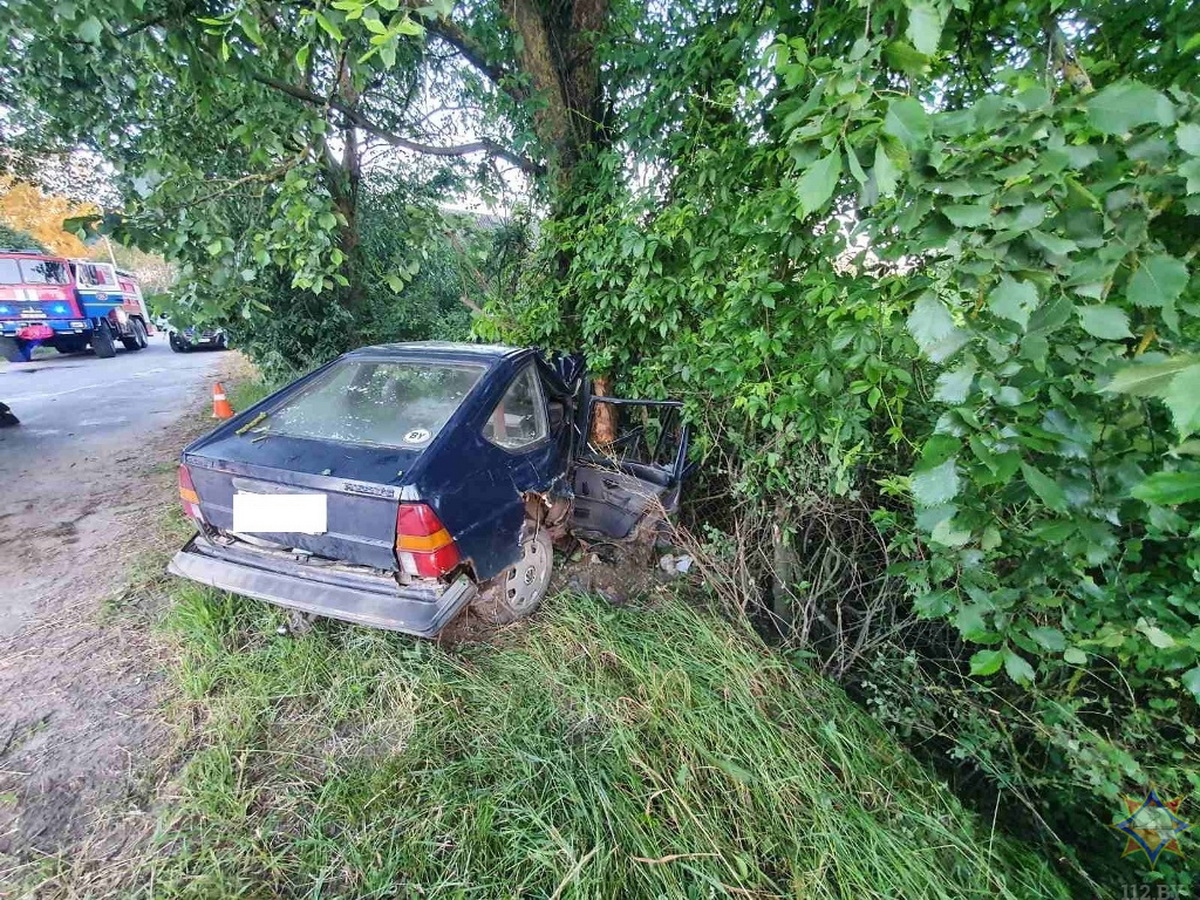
(595, 753)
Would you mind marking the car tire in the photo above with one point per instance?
(517, 592)
(222, 344)
(103, 344)
(139, 333)
(176, 345)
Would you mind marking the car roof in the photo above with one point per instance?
(451, 351)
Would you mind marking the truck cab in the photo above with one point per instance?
(69, 305)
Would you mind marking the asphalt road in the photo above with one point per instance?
(91, 432)
(67, 402)
(86, 480)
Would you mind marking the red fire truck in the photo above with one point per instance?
(68, 305)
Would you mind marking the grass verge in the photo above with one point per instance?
(594, 753)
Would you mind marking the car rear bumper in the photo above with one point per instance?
(371, 600)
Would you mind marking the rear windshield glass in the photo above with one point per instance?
(32, 271)
(389, 404)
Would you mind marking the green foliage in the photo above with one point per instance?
(866, 291)
(18, 240)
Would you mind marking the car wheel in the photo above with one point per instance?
(517, 592)
(175, 345)
(139, 334)
(222, 344)
(102, 342)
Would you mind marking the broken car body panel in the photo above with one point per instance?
(475, 458)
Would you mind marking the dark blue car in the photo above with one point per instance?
(401, 483)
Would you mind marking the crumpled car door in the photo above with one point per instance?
(633, 476)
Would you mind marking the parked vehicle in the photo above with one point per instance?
(184, 340)
(7, 418)
(69, 305)
(400, 483)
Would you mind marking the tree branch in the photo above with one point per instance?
(456, 37)
(483, 145)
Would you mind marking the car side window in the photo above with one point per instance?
(519, 419)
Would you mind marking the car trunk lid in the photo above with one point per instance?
(360, 511)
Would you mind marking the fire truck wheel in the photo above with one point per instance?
(137, 335)
(13, 350)
(102, 342)
(71, 344)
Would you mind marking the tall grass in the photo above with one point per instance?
(592, 753)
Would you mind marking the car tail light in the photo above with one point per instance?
(187, 493)
(423, 545)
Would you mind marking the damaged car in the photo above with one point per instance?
(400, 484)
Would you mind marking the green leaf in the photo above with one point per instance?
(934, 330)
(908, 122)
(327, 220)
(1158, 637)
(937, 485)
(215, 247)
(954, 386)
(302, 57)
(903, 57)
(1075, 656)
(1158, 282)
(1191, 171)
(1107, 322)
(1013, 300)
(329, 28)
(1046, 488)
(815, 186)
(1052, 243)
(946, 534)
(886, 173)
(1183, 399)
(1125, 105)
(1191, 681)
(1017, 668)
(925, 23)
(1188, 138)
(1169, 488)
(968, 215)
(986, 662)
(89, 30)
(856, 168)
(1149, 379)
(1050, 638)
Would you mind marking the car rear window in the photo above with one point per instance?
(389, 404)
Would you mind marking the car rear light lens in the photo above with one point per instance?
(187, 493)
(423, 545)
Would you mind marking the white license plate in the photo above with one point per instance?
(276, 513)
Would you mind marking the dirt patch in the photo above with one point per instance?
(621, 574)
(79, 686)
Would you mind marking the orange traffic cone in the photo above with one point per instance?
(221, 407)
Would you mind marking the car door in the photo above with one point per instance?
(631, 471)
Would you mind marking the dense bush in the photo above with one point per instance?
(957, 311)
